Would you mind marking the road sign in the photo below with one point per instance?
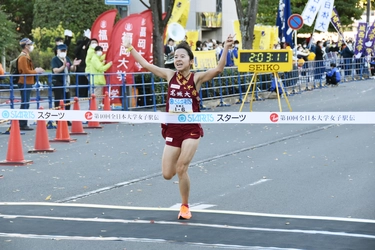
(117, 2)
(295, 22)
(265, 60)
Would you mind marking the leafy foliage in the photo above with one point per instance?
(8, 33)
(75, 15)
(349, 10)
(20, 13)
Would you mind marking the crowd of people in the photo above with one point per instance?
(210, 44)
(340, 54)
(88, 58)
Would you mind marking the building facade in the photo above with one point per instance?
(212, 18)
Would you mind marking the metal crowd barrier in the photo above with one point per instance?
(149, 92)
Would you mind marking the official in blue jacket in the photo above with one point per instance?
(333, 76)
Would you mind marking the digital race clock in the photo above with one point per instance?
(265, 60)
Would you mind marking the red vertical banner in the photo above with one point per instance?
(139, 28)
(102, 28)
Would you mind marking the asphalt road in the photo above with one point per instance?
(263, 172)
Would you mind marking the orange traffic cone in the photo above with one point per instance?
(62, 131)
(41, 138)
(107, 102)
(107, 106)
(77, 127)
(91, 125)
(15, 152)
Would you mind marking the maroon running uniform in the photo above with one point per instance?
(182, 98)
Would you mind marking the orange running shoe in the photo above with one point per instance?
(184, 213)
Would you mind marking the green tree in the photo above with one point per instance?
(19, 12)
(8, 32)
(349, 10)
(8, 39)
(75, 15)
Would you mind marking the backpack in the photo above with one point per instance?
(14, 70)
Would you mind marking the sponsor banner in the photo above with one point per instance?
(205, 59)
(139, 28)
(186, 118)
(360, 39)
(310, 11)
(324, 16)
(102, 28)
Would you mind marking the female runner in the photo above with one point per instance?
(183, 96)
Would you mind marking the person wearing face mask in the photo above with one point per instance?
(334, 48)
(25, 83)
(59, 40)
(90, 53)
(61, 67)
(98, 67)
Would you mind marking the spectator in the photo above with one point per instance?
(90, 53)
(98, 67)
(218, 49)
(204, 46)
(229, 60)
(59, 40)
(235, 49)
(333, 76)
(169, 54)
(25, 83)
(372, 67)
(334, 48)
(347, 54)
(198, 46)
(61, 67)
(80, 53)
(319, 65)
(210, 44)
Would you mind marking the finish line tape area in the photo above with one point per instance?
(186, 118)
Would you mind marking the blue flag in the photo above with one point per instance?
(283, 13)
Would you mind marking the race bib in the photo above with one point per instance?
(179, 105)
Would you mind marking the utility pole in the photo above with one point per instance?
(368, 12)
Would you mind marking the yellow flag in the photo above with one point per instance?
(180, 8)
(192, 38)
(185, 14)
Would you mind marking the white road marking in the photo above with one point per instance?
(259, 182)
(193, 206)
(313, 232)
(327, 218)
(143, 240)
(367, 90)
